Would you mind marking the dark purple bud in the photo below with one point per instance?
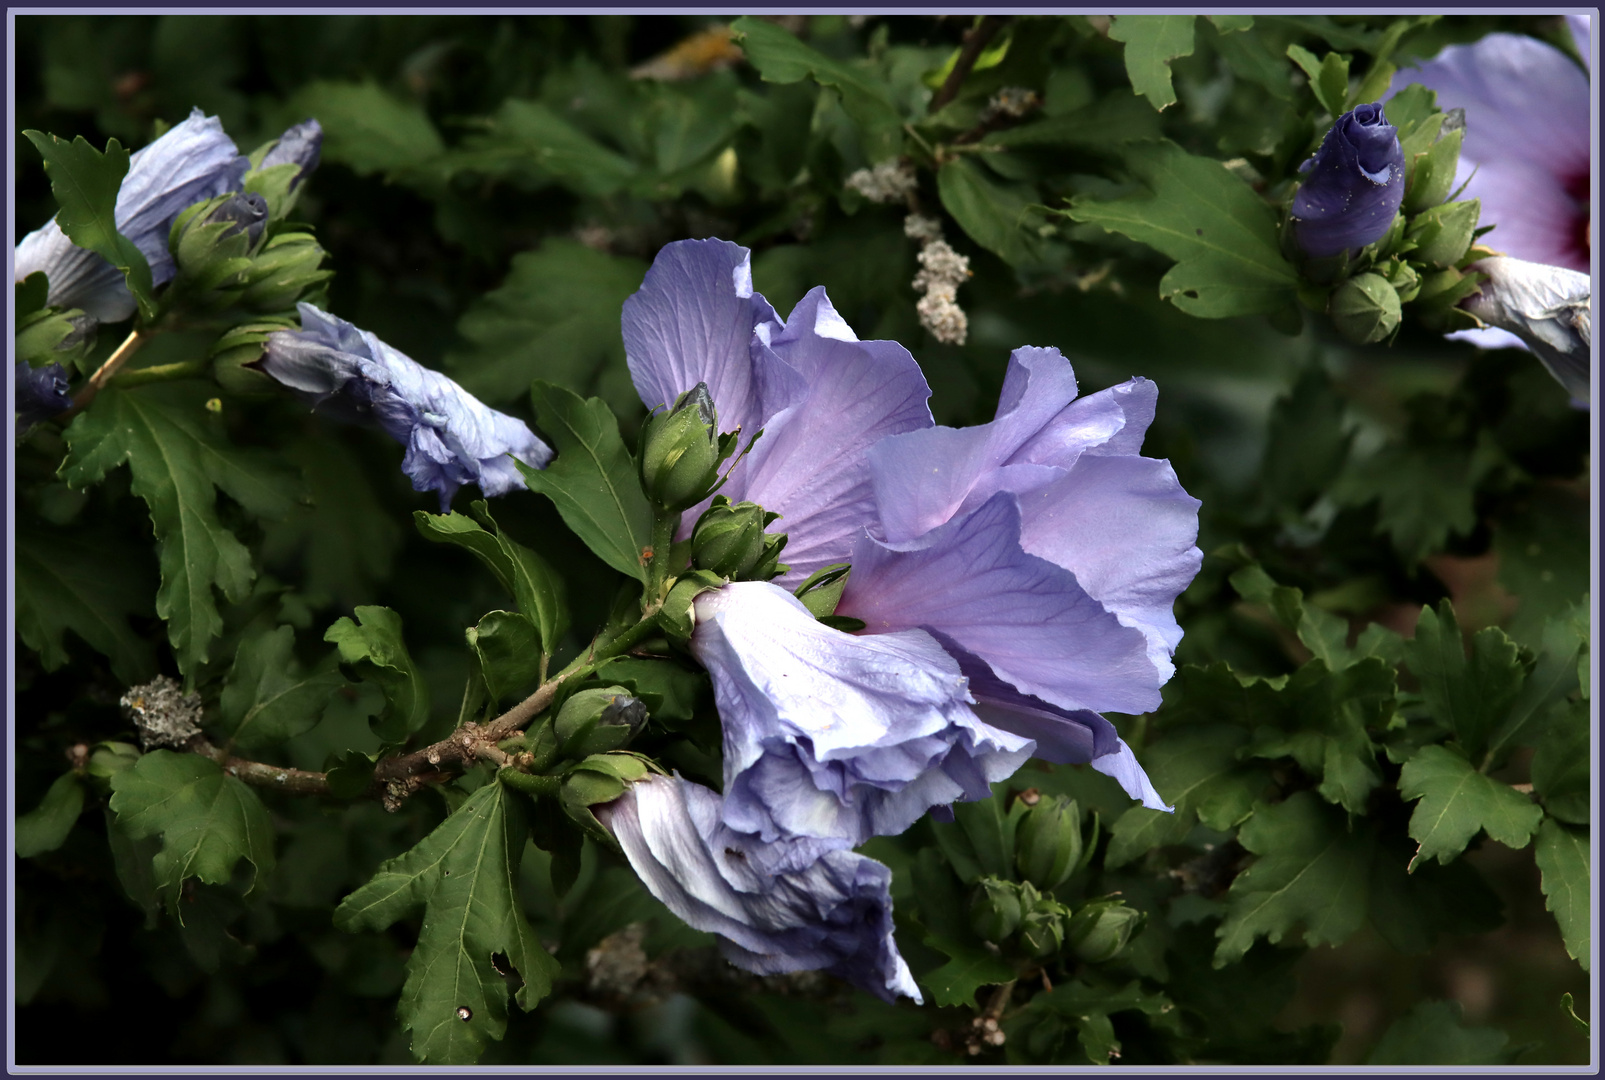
(300, 145)
(1353, 187)
(247, 211)
(41, 392)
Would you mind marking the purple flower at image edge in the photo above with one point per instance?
(832, 912)
(194, 161)
(452, 438)
(40, 392)
(1353, 185)
(1526, 155)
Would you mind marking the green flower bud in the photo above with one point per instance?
(996, 910)
(730, 541)
(1442, 234)
(234, 355)
(49, 336)
(680, 454)
(1042, 930)
(1404, 279)
(596, 721)
(1365, 309)
(282, 273)
(1101, 929)
(1047, 845)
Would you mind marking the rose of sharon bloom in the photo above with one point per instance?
(192, 162)
(1044, 553)
(452, 438)
(1549, 308)
(41, 392)
(1525, 152)
(1353, 187)
(833, 913)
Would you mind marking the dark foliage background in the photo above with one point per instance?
(458, 235)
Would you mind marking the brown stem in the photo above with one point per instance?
(103, 374)
(975, 42)
(257, 774)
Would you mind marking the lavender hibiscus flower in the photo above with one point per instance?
(192, 162)
(452, 438)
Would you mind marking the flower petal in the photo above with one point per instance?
(692, 322)
(452, 438)
(834, 736)
(838, 396)
(1030, 620)
(834, 914)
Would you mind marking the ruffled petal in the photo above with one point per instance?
(836, 397)
(1029, 619)
(833, 736)
(692, 322)
(834, 914)
(452, 438)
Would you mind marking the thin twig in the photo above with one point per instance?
(103, 374)
(975, 42)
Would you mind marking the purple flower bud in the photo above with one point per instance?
(1354, 186)
(452, 438)
(193, 162)
(41, 392)
(247, 211)
(300, 145)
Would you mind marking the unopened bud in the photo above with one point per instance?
(730, 541)
(1101, 929)
(1042, 930)
(1047, 845)
(596, 721)
(996, 910)
(1365, 309)
(680, 457)
(282, 273)
(245, 212)
(1442, 233)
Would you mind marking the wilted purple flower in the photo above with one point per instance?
(1525, 152)
(299, 145)
(41, 392)
(1044, 553)
(1354, 185)
(452, 438)
(837, 737)
(192, 162)
(1548, 308)
(832, 913)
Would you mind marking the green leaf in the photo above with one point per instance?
(1411, 909)
(592, 481)
(669, 689)
(465, 877)
(1312, 870)
(781, 58)
(373, 645)
(45, 827)
(992, 212)
(1553, 677)
(556, 314)
(1229, 23)
(65, 582)
(945, 915)
(527, 139)
(367, 128)
(1562, 856)
(1432, 1034)
(1196, 768)
(85, 183)
(1424, 494)
(1472, 696)
(31, 293)
(1457, 802)
(1152, 42)
(1196, 211)
(178, 457)
(208, 820)
(1306, 445)
(1100, 126)
(509, 651)
(267, 698)
(1329, 77)
(1562, 765)
(1323, 725)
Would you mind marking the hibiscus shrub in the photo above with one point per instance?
(977, 545)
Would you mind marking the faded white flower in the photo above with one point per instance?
(890, 181)
(922, 228)
(1548, 307)
(163, 713)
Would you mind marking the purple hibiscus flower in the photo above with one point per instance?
(192, 162)
(452, 438)
(831, 913)
(1354, 184)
